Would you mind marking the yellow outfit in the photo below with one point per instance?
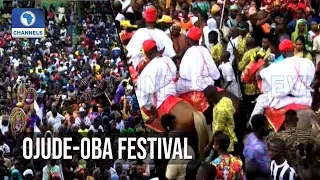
(216, 52)
(144, 116)
(241, 47)
(266, 52)
(83, 132)
(249, 88)
(302, 55)
(223, 120)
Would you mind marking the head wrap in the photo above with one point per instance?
(286, 46)
(194, 33)
(148, 45)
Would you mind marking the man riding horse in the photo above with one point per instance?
(284, 90)
(156, 93)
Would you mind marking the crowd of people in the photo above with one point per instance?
(231, 61)
(71, 83)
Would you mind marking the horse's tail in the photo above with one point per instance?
(200, 125)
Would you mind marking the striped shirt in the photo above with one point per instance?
(282, 171)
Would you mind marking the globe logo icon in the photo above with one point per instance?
(27, 18)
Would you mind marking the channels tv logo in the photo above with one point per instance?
(28, 23)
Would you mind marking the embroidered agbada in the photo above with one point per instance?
(135, 45)
(156, 79)
(197, 70)
(282, 88)
(296, 80)
(155, 87)
(223, 120)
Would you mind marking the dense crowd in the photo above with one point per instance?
(71, 83)
(177, 50)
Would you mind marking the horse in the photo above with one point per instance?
(189, 120)
(308, 121)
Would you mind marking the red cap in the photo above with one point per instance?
(286, 46)
(148, 45)
(150, 15)
(194, 33)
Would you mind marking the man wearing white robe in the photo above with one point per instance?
(281, 88)
(155, 83)
(197, 68)
(150, 32)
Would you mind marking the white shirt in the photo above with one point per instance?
(135, 44)
(56, 121)
(86, 121)
(229, 76)
(3, 129)
(206, 31)
(316, 47)
(120, 17)
(91, 128)
(197, 70)
(230, 48)
(155, 82)
(120, 125)
(5, 148)
(16, 62)
(48, 44)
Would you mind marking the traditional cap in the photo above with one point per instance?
(148, 45)
(127, 23)
(166, 19)
(194, 33)
(28, 172)
(233, 7)
(151, 15)
(286, 46)
(215, 8)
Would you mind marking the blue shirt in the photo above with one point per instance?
(256, 151)
(279, 58)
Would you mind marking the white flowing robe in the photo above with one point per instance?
(135, 44)
(291, 76)
(197, 70)
(155, 83)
